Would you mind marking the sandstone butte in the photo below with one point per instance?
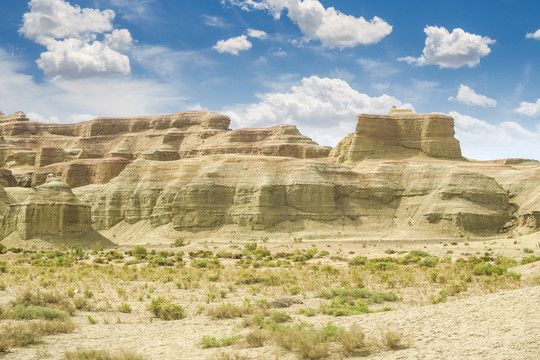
(152, 179)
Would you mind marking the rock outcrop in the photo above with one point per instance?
(52, 212)
(161, 138)
(400, 134)
(398, 176)
(18, 116)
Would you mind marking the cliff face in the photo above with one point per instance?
(400, 134)
(26, 146)
(51, 211)
(397, 176)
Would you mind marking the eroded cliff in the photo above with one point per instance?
(398, 176)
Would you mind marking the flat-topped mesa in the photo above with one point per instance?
(400, 134)
(16, 117)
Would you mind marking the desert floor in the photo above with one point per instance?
(453, 299)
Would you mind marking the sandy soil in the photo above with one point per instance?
(501, 325)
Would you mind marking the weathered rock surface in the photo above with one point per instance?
(82, 172)
(18, 116)
(51, 211)
(162, 138)
(259, 193)
(398, 176)
(400, 134)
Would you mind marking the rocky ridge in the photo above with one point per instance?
(187, 174)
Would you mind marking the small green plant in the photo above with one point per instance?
(393, 340)
(82, 354)
(229, 311)
(125, 308)
(179, 242)
(212, 342)
(140, 252)
(166, 309)
(91, 320)
(528, 251)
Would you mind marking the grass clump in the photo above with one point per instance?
(212, 342)
(82, 354)
(352, 341)
(47, 299)
(166, 309)
(258, 338)
(21, 335)
(22, 312)
(229, 311)
(393, 340)
(306, 341)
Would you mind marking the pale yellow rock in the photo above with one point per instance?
(51, 212)
(401, 134)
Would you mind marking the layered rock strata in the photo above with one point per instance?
(259, 193)
(51, 211)
(28, 145)
(400, 134)
(398, 176)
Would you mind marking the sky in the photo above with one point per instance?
(315, 64)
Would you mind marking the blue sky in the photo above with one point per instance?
(311, 63)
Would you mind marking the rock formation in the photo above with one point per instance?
(400, 134)
(398, 176)
(51, 212)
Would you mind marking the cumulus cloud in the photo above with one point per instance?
(323, 108)
(468, 96)
(73, 58)
(233, 45)
(59, 19)
(119, 40)
(259, 34)
(451, 50)
(484, 141)
(330, 26)
(69, 34)
(534, 35)
(529, 109)
(83, 98)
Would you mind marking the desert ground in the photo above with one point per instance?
(267, 299)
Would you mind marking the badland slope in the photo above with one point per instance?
(151, 179)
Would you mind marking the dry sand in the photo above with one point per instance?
(502, 325)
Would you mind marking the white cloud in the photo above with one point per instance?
(535, 35)
(259, 34)
(468, 96)
(233, 45)
(73, 58)
(484, 141)
(451, 50)
(38, 118)
(70, 35)
(119, 40)
(529, 109)
(333, 28)
(75, 100)
(58, 19)
(324, 109)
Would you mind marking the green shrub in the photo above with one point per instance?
(125, 308)
(22, 312)
(166, 309)
(140, 252)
